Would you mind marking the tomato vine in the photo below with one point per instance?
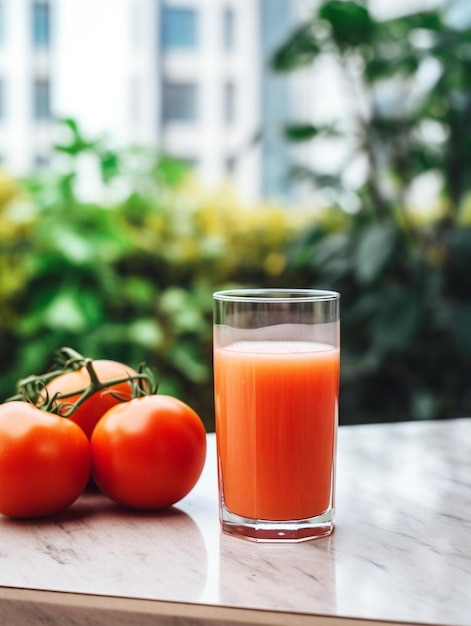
(33, 388)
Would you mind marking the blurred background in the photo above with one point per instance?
(154, 151)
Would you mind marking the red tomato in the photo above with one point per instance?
(88, 413)
(45, 461)
(148, 453)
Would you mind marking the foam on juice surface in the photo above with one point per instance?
(278, 347)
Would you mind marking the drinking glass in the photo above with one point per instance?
(276, 381)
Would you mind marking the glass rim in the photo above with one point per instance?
(276, 295)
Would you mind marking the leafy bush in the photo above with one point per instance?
(131, 277)
(404, 279)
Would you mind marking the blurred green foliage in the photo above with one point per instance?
(404, 278)
(131, 277)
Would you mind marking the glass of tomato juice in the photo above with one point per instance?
(276, 382)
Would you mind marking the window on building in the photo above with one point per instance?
(2, 22)
(41, 24)
(229, 102)
(230, 165)
(135, 23)
(41, 97)
(228, 28)
(179, 27)
(2, 99)
(134, 100)
(180, 102)
(41, 161)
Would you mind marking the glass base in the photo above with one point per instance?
(290, 531)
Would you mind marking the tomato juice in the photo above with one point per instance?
(276, 421)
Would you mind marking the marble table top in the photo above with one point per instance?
(401, 550)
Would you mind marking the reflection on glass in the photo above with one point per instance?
(168, 545)
(297, 577)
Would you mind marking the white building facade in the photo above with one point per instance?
(189, 77)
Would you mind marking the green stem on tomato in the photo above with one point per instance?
(34, 388)
(141, 383)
